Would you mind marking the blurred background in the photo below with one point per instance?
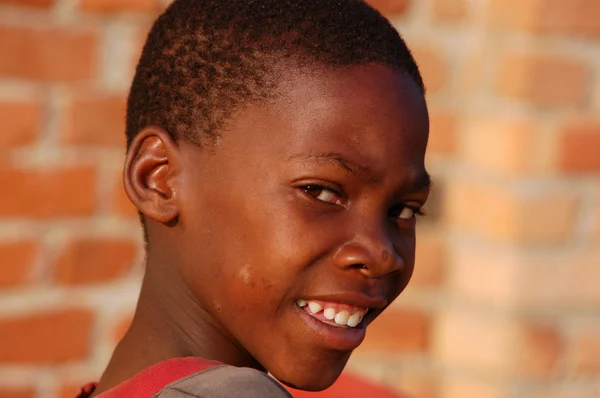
(505, 300)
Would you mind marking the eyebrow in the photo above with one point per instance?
(421, 182)
(338, 160)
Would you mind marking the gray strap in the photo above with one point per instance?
(225, 382)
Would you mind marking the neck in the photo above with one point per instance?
(170, 323)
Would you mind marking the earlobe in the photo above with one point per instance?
(149, 175)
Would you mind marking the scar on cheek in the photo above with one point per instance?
(216, 306)
(244, 274)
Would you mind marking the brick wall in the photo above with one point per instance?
(505, 301)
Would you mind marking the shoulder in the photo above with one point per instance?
(225, 381)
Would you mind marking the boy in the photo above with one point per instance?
(276, 155)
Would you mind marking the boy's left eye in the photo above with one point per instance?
(407, 213)
(323, 194)
(404, 212)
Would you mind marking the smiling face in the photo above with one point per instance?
(307, 201)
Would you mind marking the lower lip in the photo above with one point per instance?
(339, 338)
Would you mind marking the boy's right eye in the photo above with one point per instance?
(323, 194)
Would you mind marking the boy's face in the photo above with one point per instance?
(307, 200)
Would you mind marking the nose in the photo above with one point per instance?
(371, 251)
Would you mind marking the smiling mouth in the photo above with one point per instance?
(333, 314)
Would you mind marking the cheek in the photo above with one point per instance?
(405, 247)
(255, 255)
(283, 238)
(247, 288)
(404, 242)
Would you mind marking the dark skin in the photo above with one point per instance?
(311, 195)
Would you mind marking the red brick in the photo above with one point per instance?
(473, 264)
(595, 95)
(586, 351)
(471, 73)
(433, 66)
(55, 337)
(51, 55)
(398, 331)
(461, 387)
(94, 260)
(499, 144)
(121, 204)
(579, 147)
(71, 390)
(412, 383)
(138, 45)
(516, 14)
(29, 3)
(449, 11)
(543, 79)
(514, 280)
(539, 348)
(48, 193)
(547, 216)
(118, 6)
(567, 390)
(21, 123)
(442, 134)
(495, 344)
(17, 392)
(596, 224)
(557, 17)
(391, 7)
(17, 260)
(97, 122)
(530, 216)
(562, 279)
(430, 267)
(479, 341)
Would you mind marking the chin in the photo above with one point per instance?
(309, 377)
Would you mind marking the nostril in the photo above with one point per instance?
(357, 256)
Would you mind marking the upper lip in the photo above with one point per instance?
(354, 299)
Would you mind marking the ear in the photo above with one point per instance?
(149, 174)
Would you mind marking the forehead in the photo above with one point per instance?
(370, 113)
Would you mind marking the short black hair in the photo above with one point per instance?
(203, 59)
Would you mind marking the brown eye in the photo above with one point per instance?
(407, 213)
(403, 212)
(323, 194)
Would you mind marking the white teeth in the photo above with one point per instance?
(341, 318)
(314, 307)
(329, 313)
(301, 303)
(354, 319)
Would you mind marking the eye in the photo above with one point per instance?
(323, 194)
(404, 212)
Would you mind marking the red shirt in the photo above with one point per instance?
(348, 386)
(153, 379)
